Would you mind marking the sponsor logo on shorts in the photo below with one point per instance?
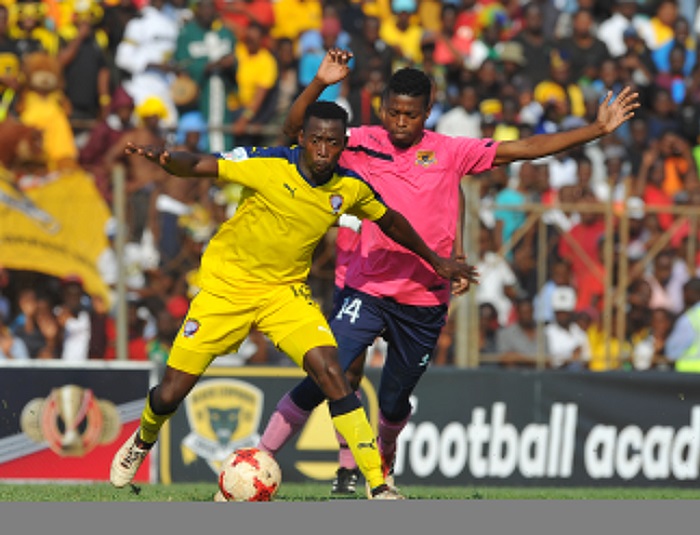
(190, 328)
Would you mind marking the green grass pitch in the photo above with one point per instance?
(318, 492)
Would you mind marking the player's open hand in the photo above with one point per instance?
(334, 66)
(613, 114)
(460, 285)
(460, 272)
(157, 155)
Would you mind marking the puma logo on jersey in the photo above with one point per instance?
(290, 189)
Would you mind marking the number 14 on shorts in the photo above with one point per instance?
(351, 308)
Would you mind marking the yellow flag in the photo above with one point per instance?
(55, 227)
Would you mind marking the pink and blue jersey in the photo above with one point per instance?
(422, 183)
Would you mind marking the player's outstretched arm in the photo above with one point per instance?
(179, 163)
(334, 68)
(610, 116)
(397, 227)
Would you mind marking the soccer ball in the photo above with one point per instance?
(249, 475)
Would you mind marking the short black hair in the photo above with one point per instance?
(323, 109)
(410, 82)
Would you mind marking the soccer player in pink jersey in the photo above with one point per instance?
(389, 291)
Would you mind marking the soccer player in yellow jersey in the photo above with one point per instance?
(254, 271)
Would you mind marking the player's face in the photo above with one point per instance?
(404, 118)
(322, 142)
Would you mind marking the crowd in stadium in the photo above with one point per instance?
(206, 76)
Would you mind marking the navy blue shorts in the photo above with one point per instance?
(411, 332)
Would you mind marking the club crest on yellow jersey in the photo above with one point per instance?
(336, 201)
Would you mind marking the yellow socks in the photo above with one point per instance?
(350, 420)
(151, 422)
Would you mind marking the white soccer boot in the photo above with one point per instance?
(126, 462)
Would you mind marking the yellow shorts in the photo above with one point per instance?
(217, 325)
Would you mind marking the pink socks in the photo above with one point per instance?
(284, 423)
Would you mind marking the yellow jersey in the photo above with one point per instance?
(280, 219)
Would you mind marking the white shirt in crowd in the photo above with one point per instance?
(495, 275)
(76, 342)
(562, 342)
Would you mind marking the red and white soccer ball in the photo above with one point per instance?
(249, 475)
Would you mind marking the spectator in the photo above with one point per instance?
(536, 45)
(30, 31)
(673, 79)
(294, 17)
(256, 79)
(662, 117)
(36, 326)
(116, 16)
(103, 136)
(497, 282)
(140, 177)
(238, 15)
(636, 64)
(625, 15)
(513, 64)
(84, 62)
(287, 83)
(560, 276)
(682, 346)
(558, 88)
(637, 145)
(11, 347)
(567, 344)
(144, 53)
(316, 44)
(9, 65)
(137, 317)
(370, 53)
(661, 24)
(456, 47)
(580, 246)
(205, 52)
(649, 348)
(488, 327)
(175, 196)
(608, 351)
(365, 103)
(685, 41)
(74, 319)
(403, 33)
(667, 278)
(179, 11)
(168, 321)
(465, 118)
(516, 344)
(585, 51)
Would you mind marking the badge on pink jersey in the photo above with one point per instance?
(425, 157)
(336, 202)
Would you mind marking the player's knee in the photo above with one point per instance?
(322, 366)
